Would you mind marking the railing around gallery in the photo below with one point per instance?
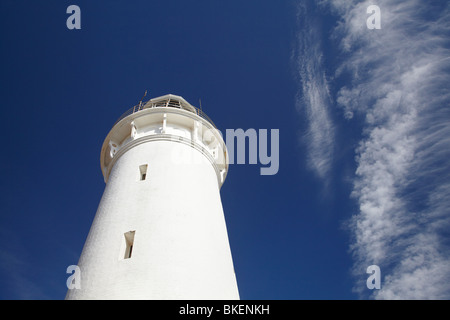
(170, 103)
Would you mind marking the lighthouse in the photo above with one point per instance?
(159, 231)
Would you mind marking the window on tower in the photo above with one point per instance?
(143, 172)
(128, 245)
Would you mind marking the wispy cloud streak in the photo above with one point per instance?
(400, 85)
(314, 99)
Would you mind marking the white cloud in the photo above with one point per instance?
(314, 100)
(400, 76)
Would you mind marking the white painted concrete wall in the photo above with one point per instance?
(181, 248)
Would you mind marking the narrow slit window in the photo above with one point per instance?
(129, 242)
(143, 172)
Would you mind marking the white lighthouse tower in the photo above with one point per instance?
(159, 231)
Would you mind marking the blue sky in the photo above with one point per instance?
(364, 135)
